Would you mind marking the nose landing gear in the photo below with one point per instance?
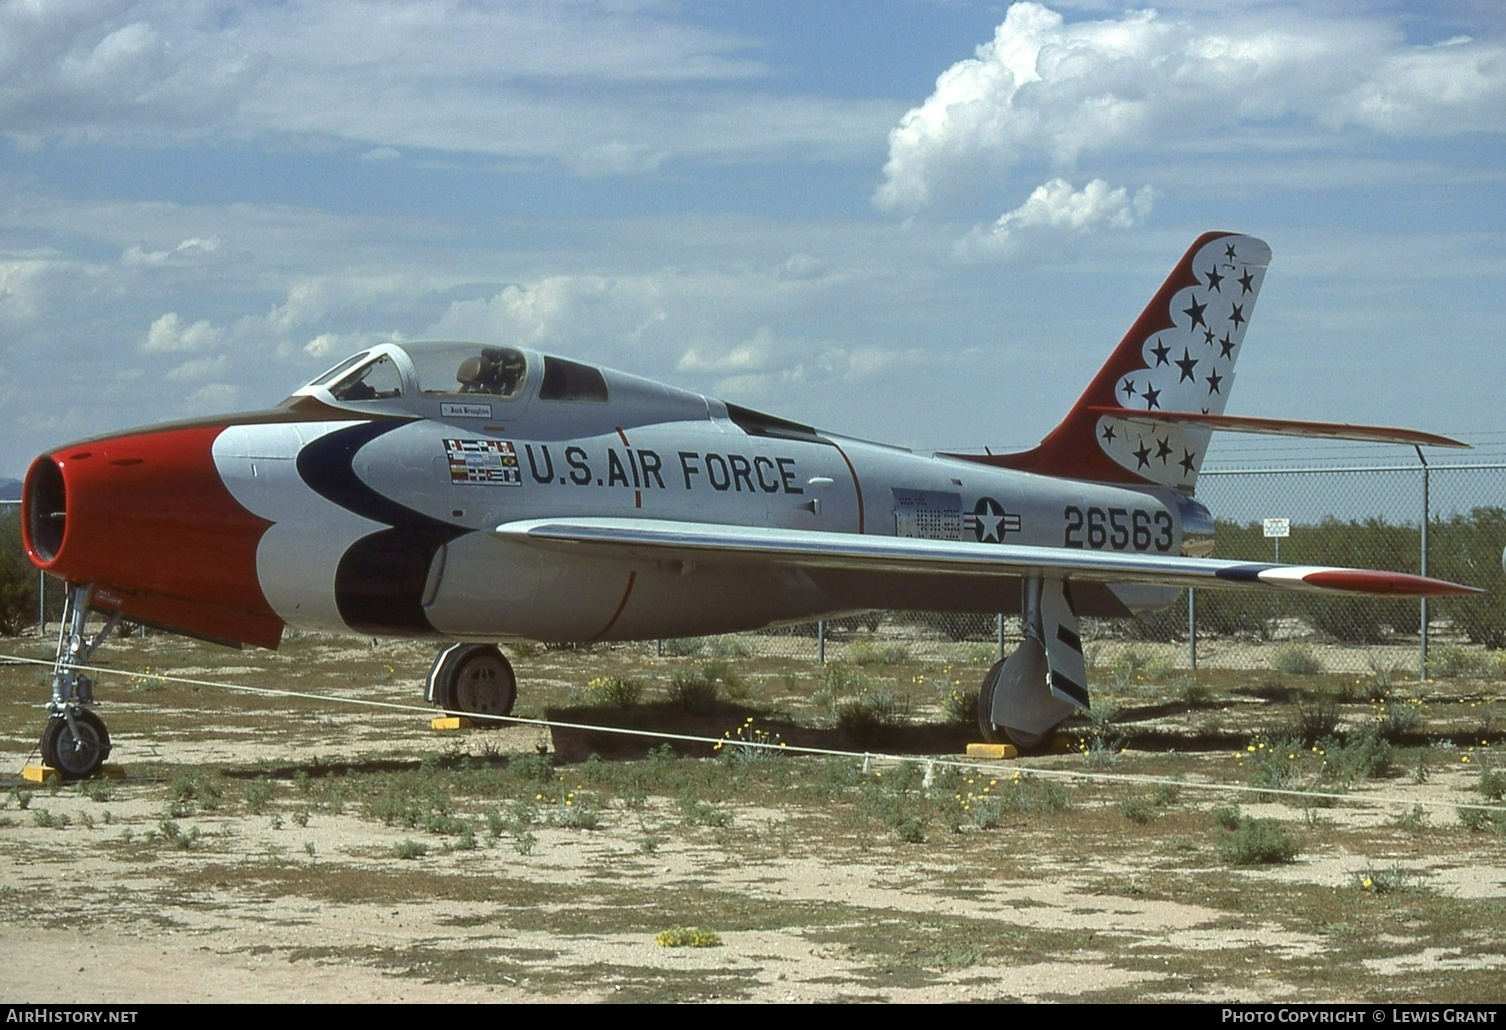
(75, 741)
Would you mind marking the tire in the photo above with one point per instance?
(76, 758)
(986, 727)
(475, 680)
(1025, 743)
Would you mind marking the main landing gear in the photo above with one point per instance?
(474, 680)
(1027, 695)
(75, 741)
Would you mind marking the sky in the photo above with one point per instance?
(919, 221)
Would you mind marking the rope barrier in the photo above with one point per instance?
(868, 757)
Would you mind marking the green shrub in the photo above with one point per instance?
(1258, 842)
(175, 837)
(1226, 816)
(1385, 881)
(1274, 765)
(612, 692)
(728, 646)
(960, 706)
(691, 691)
(688, 937)
(1398, 718)
(725, 676)
(1467, 549)
(1316, 721)
(867, 653)
(1193, 694)
(1492, 783)
(1296, 660)
(18, 579)
(1450, 661)
(1480, 820)
(1138, 808)
(682, 647)
(873, 712)
(702, 813)
(1363, 755)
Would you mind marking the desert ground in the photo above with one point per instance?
(1239, 834)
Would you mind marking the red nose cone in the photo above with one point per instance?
(147, 519)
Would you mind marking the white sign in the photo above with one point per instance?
(1278, 527)
(448, 410)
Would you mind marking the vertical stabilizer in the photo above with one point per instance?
(1178, 356)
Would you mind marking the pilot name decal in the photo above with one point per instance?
(490, 462)
(640, 468)
(449, 410)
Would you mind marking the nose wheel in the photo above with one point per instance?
(75, 743)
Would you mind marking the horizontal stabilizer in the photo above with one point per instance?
(1282, 427)
(663, 540)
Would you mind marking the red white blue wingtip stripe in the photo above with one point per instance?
(1353, 581)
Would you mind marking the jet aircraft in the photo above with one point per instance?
(479, 494)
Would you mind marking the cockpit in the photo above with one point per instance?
(455, 380)
(394, 370)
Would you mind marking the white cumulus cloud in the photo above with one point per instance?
(1048, 94)
(169, 334)
(611, 89)
(573, 314)
(1055, 208)
(91, 67)
(193, 249)
(197, 369)
(766, 364)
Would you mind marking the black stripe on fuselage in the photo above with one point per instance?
(379, 583)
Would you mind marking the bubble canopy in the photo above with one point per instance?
(393, 370)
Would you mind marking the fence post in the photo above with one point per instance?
(999, 637)
(1422, 632)
(821, 642)
(1192, 628)
(41, 603)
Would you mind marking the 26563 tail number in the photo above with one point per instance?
(1117, 529)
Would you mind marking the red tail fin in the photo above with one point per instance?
(1178, 356)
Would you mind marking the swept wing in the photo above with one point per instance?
(666, 540)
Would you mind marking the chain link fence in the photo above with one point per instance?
(1447, 520)
(1366, 517)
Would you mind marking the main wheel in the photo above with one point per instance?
(476, 680)
(996, 734)
(76, 752)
